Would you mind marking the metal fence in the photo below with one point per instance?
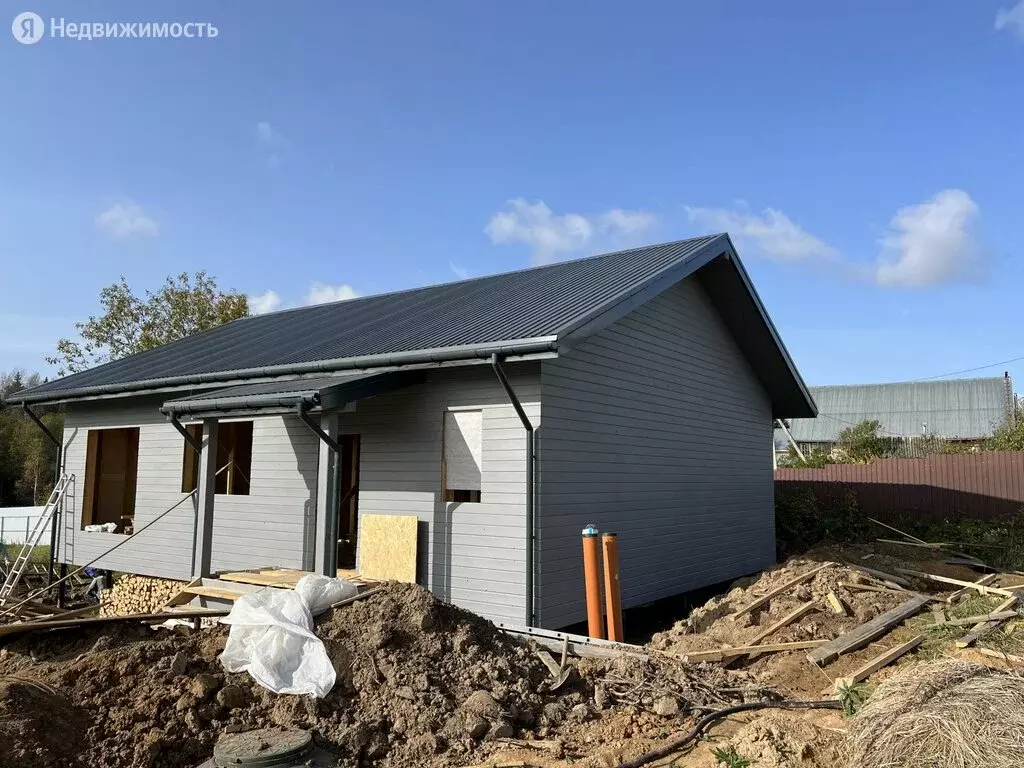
(16, 524)
(983, 486)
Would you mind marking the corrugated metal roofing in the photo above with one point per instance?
(954, 408)
(303, 386)
(539, 310)
(515, 305)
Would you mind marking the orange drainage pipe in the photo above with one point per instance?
(592, 577)
(613, 597)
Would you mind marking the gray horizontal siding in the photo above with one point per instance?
(471, 554)
(656, 429)
(267, 527)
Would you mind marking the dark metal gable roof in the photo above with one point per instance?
(512, 313)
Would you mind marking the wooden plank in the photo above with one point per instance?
(12, 629)
(865, 633)
(578, 645)
(984, 589)
(215, 593)
(986, 579)
(981, 629)
(387, 547)
(184, 596)
(1009, 657)
(968, 621)
(260, 579)
(837, 605)
(779, 590)
(786, 620)
(78, 611)
(904, 534)
(873, 588)
(721, 654)
(882, 660)
(883, 575)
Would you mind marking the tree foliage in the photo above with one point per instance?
(27, 457)
(184, 305)
(863, 442)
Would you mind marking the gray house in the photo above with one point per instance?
(634, 390)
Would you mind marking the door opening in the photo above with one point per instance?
(348, 507)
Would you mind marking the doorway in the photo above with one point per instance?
(348, 507)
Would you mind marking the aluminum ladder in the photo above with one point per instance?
(34, 537)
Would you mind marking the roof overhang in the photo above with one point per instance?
(325, 393)
(512, 350)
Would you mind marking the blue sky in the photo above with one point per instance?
(867, 158)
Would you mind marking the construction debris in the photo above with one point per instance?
(419, 682)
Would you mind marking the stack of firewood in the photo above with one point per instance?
(138, 594)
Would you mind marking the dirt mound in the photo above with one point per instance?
(775, 739)
(38, 725)
(419, 682)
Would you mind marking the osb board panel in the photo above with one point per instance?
(387, 547)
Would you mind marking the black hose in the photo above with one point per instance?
(705, 721)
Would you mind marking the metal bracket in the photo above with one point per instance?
(189, 437)
(300, 411)
(28, 412)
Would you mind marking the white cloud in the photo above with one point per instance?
(1012, 19)
(772, 232)
(460, 272)
(320, 293)
(127, 219)
(272, 143)
(549, 235)
(261, 303)
(931, 243)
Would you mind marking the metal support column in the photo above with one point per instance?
(202, 555)
(328, 495)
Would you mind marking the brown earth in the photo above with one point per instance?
(419, 682)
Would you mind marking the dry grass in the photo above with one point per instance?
(942, 714)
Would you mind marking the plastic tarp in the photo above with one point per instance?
(272, 636)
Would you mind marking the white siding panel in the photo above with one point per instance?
(657, 429)
(268, 527)
(472, 555)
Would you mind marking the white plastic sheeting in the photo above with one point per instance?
(272, 636)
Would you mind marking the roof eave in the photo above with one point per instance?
(510, 348)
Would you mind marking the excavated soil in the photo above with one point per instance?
(419, 683)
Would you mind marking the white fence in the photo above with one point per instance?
(16, 524)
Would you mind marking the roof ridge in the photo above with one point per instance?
(535, 268)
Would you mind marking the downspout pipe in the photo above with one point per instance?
(55, 523)
(531, 464)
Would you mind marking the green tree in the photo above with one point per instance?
(183, 305)
(862, 443)
(27, 457)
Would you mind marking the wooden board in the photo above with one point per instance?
(786, 620)
(983, 628)
(387, 547)
(882, 660)
(721, 654)
(865, 633)
(986, 579)
(976, 585)
(214, 593)
(780, 589)
(12, 629)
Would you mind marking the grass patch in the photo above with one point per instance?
(40, 554)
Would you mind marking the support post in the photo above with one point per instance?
(62, 588)
(56, 479)
(592, 580)
(613, 596)
(207, 487)
(792, 442)
(328, 492)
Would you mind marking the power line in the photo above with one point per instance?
(970, 370)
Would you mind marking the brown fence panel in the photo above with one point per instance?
(983, 485)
